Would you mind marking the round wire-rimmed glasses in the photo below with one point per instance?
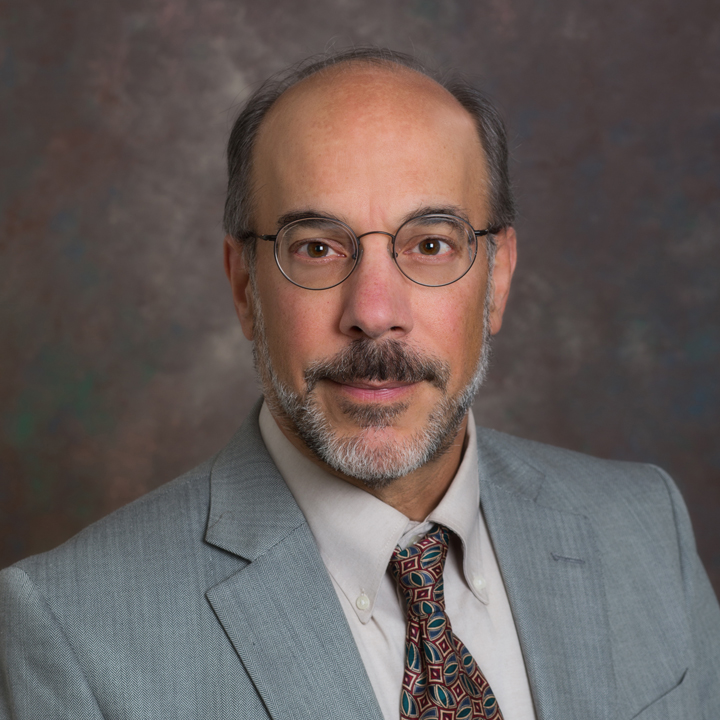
(318, 253)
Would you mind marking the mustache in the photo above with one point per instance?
(390, 360)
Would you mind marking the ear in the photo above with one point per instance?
(239, 277)
(503, 269)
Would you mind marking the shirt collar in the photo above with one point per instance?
(356, 532)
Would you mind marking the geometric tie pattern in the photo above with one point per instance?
(442, 680)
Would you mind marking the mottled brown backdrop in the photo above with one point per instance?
(122, 363)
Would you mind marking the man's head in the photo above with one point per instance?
(373, 375)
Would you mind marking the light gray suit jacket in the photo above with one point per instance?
(208, 599)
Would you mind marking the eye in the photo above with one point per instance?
(431, 245)
(316, 249)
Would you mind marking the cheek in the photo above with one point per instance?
(300, 327)
(455, 327)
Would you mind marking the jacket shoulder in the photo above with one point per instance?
(587, 483)
(136, 535)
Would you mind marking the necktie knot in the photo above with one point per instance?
(418, 571)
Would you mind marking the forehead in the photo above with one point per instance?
(372, 140)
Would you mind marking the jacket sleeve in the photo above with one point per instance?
(703, 612)
(39, 673)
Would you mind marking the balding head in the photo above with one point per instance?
(370, 135)
(238, 218)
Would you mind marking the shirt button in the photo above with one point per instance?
(479, 583)
(363, 602)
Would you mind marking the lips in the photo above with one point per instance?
(376, 392)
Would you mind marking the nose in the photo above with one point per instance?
(376, 297)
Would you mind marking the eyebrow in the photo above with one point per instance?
(304, 214)
(307, 213)
(455, 210)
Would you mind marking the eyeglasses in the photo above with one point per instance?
(319, 253)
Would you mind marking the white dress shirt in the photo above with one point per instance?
(357, 533)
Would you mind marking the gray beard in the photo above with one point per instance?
(355, 456)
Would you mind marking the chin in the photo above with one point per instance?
(375, 451)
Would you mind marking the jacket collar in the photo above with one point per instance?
(251, 508)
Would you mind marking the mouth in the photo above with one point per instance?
(366, 391)
(366, 373)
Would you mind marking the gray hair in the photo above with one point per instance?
(491, 130)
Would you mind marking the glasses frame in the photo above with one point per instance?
(358, 248)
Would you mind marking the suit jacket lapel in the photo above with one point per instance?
(554, 580)
(281, 611)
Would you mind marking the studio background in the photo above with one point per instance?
(122, 363)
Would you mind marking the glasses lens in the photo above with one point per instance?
(315, 253)
(435, 249)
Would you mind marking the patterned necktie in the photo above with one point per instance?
(441, 680)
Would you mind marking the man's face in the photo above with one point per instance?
(375, 374)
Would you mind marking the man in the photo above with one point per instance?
(360, 548)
